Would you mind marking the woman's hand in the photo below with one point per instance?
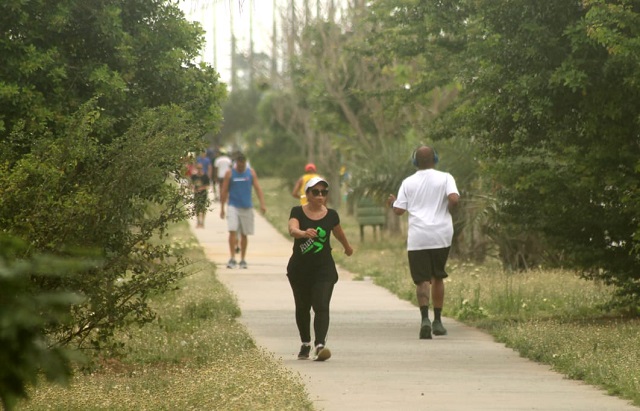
(310, 233)
(348, 251)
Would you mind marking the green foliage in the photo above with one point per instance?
(99, 102)
(131, 56)
(25, 314)
(377, 88)
(551, 93)
(542, 96)
(83, 194)
(239, 111)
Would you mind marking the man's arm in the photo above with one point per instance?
(397, 211)
(296, 189)
(453, 198)
(258, 189)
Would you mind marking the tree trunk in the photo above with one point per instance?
(251, 51)
(234, 69)
(274, 44)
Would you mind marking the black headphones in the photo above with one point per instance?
(414, 161)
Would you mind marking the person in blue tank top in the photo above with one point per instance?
(236, 190)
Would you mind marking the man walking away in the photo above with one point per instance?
(428, 196)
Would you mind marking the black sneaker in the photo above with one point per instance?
(322, 353)
(305, 350)
(438, 328)
(425, 329)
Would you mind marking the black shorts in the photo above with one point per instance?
(426, 264)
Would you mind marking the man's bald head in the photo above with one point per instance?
(425, 157)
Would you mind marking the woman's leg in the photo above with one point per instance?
(321, 299)
(302, 298)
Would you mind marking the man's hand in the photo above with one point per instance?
(390, 200)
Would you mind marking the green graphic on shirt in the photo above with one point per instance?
(315, 244)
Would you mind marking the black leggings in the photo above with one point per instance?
(317, 296)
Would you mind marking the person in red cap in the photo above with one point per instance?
(298, 189)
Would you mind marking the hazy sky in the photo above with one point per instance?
(214, 15)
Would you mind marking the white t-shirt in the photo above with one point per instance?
(424, 196)
(222, 164)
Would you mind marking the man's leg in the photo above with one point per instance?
(246, 228)
(233, 242)
(437, 292)
(419, 265)
(244, 241)
(423, 291)
(440, 257)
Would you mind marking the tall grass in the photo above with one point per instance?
(550, 316)
(195, 357)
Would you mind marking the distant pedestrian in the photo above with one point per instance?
(200, 185)
(212, 154)
(311, 270)
(188, 170)
(237, 188)
(207, 167)
(221, 165)
(298, 189)
(428, 196)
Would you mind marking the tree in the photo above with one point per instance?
(99, 103)
(553, 100)
(376, 84)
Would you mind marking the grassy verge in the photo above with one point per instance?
(550, 316)
(196, 357)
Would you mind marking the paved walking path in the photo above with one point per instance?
(378, 362)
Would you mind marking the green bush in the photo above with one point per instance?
(25, 314)
(99, 103)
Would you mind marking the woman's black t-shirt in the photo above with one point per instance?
(311, 259)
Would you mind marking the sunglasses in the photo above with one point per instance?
(317, 192)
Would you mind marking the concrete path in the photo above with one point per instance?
(378, 362)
